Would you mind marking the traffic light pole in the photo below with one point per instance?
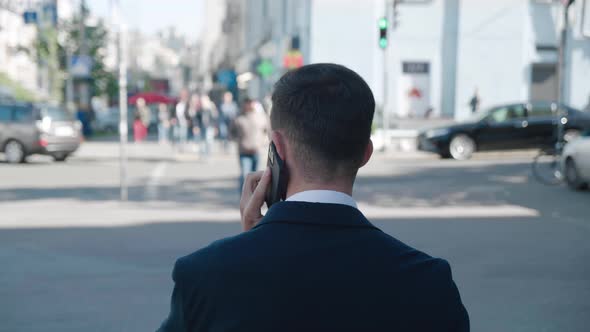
(385, 98)
(561, 74)
(385, 110)
(123, 131)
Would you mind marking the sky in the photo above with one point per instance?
(149, 16)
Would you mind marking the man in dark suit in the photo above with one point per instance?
(314, 262)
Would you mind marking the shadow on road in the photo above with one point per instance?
(430, 187)
(118, 279)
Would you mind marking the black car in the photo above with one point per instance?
(27, 129)
(506, 127)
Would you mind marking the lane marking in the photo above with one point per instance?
(25, 214)
(447, 212)
(154, 181)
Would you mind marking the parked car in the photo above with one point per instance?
(27, 129)
(108, 120)
(575, 162)
(505, 127)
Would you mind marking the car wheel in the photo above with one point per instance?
(445, 155)
(461, 147)
(14, 152)
(572, 176)
(61, 156)
(571, 135)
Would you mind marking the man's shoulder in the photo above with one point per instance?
(205, 261)
(409, 260)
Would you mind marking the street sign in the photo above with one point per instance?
(265, 68)
(227, 77)
(81, 66)
(293, 59)
(30, 17)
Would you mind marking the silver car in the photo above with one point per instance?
(27, 129)
(575, 162)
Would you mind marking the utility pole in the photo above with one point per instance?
(562, 51)
(123, 134)
(561, 71)
(384, 27)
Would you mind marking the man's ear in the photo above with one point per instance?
(368, 153)
(280, 142)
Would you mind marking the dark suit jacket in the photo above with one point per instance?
(313, 267)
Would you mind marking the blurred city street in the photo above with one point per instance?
(75, 258)
(479, 115)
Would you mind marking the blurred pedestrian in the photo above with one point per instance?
(163, 123)
(474, 101)
(144, 112)
(227, 114)
(258, 108)
(207, 121)
(139, 129)
(194, 110)
(251, 130)
(181, 119)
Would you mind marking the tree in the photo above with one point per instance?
(94, 44)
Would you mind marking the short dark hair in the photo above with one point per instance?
(326, 110)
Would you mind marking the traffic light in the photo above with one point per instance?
(383, 25)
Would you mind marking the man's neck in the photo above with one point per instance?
(297, 187)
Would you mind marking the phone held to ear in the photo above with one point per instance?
(278, 183)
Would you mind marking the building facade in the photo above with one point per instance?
(18, 60)
(441, 51)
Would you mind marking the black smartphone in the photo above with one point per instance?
(278, 184)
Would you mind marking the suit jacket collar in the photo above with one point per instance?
(316, 214)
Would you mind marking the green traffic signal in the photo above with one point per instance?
(383, 23)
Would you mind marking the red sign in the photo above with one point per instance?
(293, 60)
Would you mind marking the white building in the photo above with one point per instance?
(442, 50)
(263, 30)
(17, 56)
(212, 45)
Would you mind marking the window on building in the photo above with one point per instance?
(23, 114)
(544, 82)
(5, 113)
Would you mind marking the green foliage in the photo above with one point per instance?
(95, 44)
(19, 92)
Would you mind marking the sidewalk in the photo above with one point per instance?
(146, 151)
(403, 133)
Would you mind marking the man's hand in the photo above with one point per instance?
(253, 194)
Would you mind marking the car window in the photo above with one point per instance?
(5, 113)
(23, 114)
(506, 113)
(55, 113)
(542, 110)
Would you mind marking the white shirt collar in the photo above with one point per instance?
(323, 196)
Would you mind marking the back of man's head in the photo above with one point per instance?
(325, 111)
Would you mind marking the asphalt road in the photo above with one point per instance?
(72, 258)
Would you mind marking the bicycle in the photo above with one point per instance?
(546, 166)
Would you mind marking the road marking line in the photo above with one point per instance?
(152, 185)
(445, 212)
(25, 214)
